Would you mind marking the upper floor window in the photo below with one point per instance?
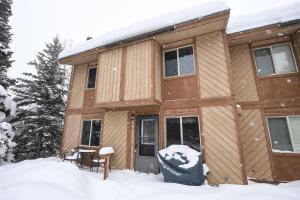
(91, 81)
(285, 133)
(183, 130)
(276, 59)
(90, 134)
(179, 61)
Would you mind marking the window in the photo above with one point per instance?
(285, 133)
(183, 130)
(91, 82)
(179, 62)
(276, 59)
(90, 134)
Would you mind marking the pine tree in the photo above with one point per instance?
(41, 101)
(5, 39)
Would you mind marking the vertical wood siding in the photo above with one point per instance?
(212, 66)
(72, 132)
(244, 85)
(78, 87)
(222, 151)
(138, 71)
(255, 149)
(115, 135)
(109, 75)
(158, 68)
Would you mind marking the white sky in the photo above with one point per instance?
(35, 22)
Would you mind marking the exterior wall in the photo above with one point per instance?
(115, 135)
(71, 132)
(243, 78)
(222, 145)
(78, 87)
(138, 71)
(212, 65)
(109, 76)
(255, 147)
(157, 70)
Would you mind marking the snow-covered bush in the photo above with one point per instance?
(7, 110)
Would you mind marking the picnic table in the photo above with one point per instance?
(87, 155)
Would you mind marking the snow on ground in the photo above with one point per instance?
(52, 179)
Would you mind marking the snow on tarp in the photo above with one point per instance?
(191, 155)
(153, 24)
(269, 16)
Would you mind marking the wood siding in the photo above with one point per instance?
(255, 147)
(71, 132)
(115, 135)
(244, 85)
(138, 71)
(222, 152)
(157, 70)
(78, 87)
(212, 66)
(109, 75)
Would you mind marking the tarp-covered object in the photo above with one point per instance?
(181, 164)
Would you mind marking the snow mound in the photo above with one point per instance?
(179, 151)
(269, 16)
(169, 19)
(106, 150)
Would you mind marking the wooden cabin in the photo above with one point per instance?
(233, 95)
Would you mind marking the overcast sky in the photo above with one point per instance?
(35, 22)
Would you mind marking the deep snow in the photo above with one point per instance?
(50, 179)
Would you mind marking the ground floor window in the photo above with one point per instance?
(90, 134)
(183, 130)
(285, 133)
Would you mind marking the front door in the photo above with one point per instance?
(146, 144)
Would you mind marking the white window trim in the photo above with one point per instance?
(181, 129)
(287, 118)
(88, 75)
(273, 61)
(142, 131)
(178, 64)
(82, 145)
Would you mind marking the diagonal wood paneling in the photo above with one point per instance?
(109, 75)
(71, 132)
(244, 85)
(222, 151)
(115, 135)
(78, 87)
(255, 149)
(212, 65)
(138, 71)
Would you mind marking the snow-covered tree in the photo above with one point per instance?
(5, 39)
(41, 98)
(7, 110)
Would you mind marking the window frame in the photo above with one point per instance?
(100, 140)
(181, 128)
(142, 132)
(88, 75)
(178, 64)
(272, 57)
(289, 130)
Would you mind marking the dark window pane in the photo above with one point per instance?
(85, 135)
(95, 137)
(92, 78)
(190, 128)
(173, 131)
(280, 134)
(148, 129)
(171, 63)
(264, 63)
(186, 60)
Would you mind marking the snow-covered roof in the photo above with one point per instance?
(282, 14)
(236, 23)
(157, 23)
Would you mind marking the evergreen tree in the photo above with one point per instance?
(5, 39)
(41, 101)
